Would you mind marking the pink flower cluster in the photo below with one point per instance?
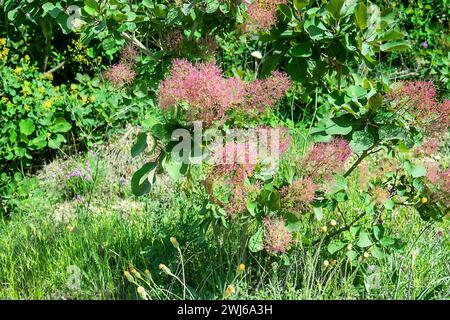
(277, 238)
(418, 98)
(122, 73)
(273, 141)
(433, 171)
(262, 93)
(128, 55)
(238, 161)
(299, 195)
(380, 195)
(262, 14)
(326, 158)
(235, 162)
(173, 40)
(321, 162)
(210, 96)
(430, 146)
(440, 180)
(238, 200)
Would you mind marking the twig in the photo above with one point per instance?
(137, 43)
(360, 159)
(59, 66)
(345, 228)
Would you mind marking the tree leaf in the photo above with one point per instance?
(297, 69)
(335, 7)
(378, 231)
(302, 50)
(364, 240)
(361, 16)
(140, 145)
(400, 45)
(418, 171)
(361, 141)
(391, 132)
(335, 245)
(55, 143)
(340, 125)
(60, 125)
(139, 187)
(256, 241)
(270, 64)
(26, 126)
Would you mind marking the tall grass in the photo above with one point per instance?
(85, 254)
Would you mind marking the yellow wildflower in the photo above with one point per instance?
(4, 53)
(84, 99)
(229, 291)
(18, 70)
(2, 41)
(47, 105)
(48, 76)
(92, 99)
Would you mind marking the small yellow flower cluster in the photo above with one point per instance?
(84, 99)
(18, 71)
(5, 100)
(48, 76)
(78, 52)
(47, 105)
(26, 89)
(4, 51)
